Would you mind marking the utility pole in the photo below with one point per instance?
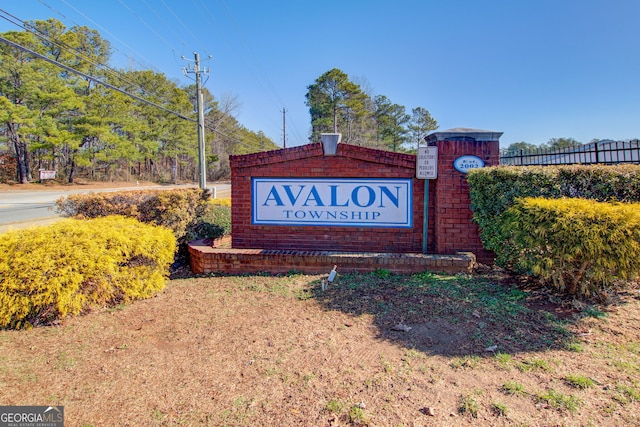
(284, 128)
(202, 164)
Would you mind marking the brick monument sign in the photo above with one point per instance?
(328, 202)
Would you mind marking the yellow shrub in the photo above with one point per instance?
(579, 245)
(176, 209)
(58, 270)
(221, 202)
(493, 190)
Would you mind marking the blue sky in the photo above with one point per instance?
(533, 69)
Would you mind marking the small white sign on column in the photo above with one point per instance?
(427, 163)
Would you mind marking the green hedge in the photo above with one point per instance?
(580, 246)
(50, 272)
(493, 190)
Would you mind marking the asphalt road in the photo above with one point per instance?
(20, 208)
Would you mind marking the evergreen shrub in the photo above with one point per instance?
(50, 272)
(493, 190)
(215, 221)
(174, 209)
(580, 246)
(219, 212)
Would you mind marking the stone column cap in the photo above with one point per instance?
(462, 134)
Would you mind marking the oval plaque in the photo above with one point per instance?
(465, 163)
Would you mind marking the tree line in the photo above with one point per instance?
(62, 114)
(552, 144)
(53, 119)
(337, 104)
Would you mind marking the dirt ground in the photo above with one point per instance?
(372, 349)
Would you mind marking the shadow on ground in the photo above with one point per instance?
(452, 315)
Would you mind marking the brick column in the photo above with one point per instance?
(455, 230)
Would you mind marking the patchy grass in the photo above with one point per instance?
(277, 350)
(534, 364)
(499, 409)
(466, 362)
(560, 401)
(575, 346)
(579, 381)
(503, 360)
(335, 406)
(514, 388)
(356, 414)
(469, 404)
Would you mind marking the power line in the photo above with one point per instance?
(181, 23)
(255, 67)
(99, 81)
(256, 70)
(201, 143)
(94, 79)
(157, 15)
(284, 128)
(145, 24)
(63, 46)
(130, 57)
(109, 33)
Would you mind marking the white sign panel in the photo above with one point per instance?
(45, 174)
(355, 202)
(427, 163)
(465, 163)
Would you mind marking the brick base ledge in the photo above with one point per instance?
(207, 259)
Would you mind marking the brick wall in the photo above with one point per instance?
(454, 227)
(450, 220)
(309, 161)
(208, 259)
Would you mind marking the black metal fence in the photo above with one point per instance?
(601, 152)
